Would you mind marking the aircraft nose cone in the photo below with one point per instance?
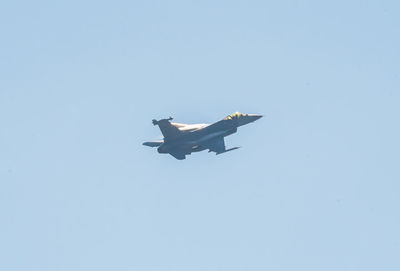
(254, 117)
(248, 119)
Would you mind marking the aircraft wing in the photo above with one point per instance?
(216, 145)
(178, 154)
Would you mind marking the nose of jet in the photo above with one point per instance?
(248, 118)
(254, 117)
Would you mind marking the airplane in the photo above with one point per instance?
(183, 139)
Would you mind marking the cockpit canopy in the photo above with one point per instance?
(235, 115)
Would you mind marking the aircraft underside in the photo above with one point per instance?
(216, 145)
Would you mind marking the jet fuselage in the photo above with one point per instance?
(182, 139)
(191, 141)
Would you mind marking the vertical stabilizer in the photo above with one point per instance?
(167, 129)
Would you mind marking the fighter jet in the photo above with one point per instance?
(183, 139)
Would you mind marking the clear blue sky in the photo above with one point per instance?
(315, 186)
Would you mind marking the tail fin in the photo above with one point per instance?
(167, 129)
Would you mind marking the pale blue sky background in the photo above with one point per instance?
(315, 186)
